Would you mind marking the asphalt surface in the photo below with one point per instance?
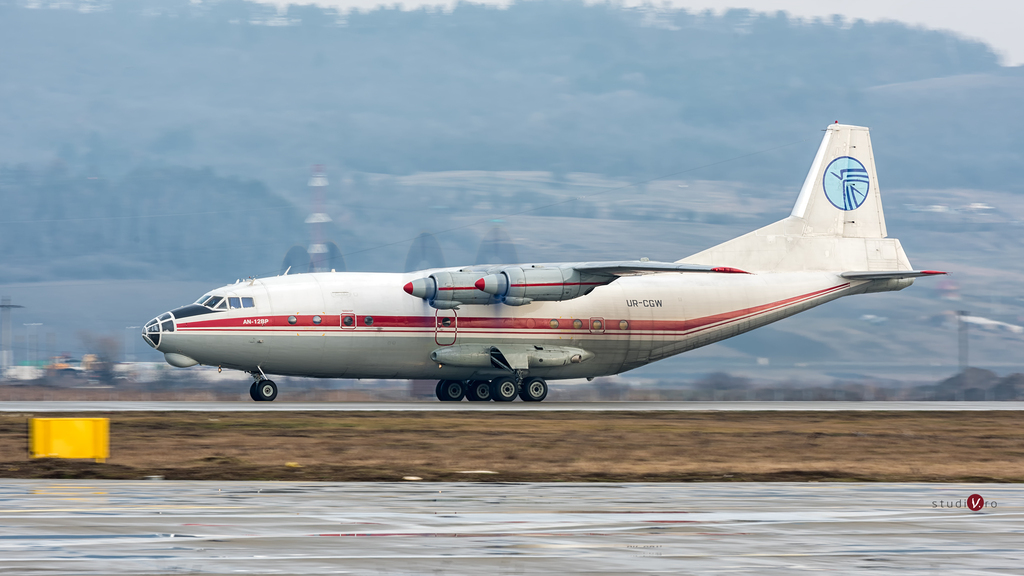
(113, 406)
(159, 527)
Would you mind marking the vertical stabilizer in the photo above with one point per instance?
(837, 223)
(840, 196)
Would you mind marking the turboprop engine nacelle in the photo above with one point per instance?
(517, 286)
(447, 290)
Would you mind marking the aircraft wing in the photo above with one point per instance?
(520, 284)
(630, 267)
(890, 274)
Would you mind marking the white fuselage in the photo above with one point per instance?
(497, 331)
(368, 327)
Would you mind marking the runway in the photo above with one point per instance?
(156, 406)
(111, 527)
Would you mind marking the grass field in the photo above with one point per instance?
(543, 446)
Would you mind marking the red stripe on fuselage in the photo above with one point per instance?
(686, 325)
(483, 324)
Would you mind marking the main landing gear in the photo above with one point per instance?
(503, 389)
(263, 391)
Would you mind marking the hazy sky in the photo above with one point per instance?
(996, 22)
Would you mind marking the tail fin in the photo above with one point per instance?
(840, 194)
(837, 223)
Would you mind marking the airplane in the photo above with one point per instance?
(498, 332)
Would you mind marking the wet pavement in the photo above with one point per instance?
(159, 527)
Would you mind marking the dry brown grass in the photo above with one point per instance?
(535, 446)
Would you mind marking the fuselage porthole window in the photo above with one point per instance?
(368, 320)
(248, 303)
(292, 319)
(317, 319)
(235, 301)
(347, 321)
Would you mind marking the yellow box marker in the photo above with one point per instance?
(69, 438)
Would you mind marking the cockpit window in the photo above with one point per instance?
(248, 303)
(222, 305)
(202, 298)
(235, 301)
(212, 301)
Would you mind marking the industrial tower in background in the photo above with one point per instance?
(321, 255)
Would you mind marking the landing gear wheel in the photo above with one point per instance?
(504, 389)
(266, 391)
(534, 390)
(450, 391)
(252, 393)
(478, 391)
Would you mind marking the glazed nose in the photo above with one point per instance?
(151, 331)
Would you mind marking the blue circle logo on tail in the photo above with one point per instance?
(846, 183)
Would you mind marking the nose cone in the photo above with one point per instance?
(424, 288)
(492, 284)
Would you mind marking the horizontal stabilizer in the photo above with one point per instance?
(890, 275)
(627, 267)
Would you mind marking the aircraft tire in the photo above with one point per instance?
(504, 389)
(534, 390)
(252, 393)
(450, 391)
(478, 391)
(266, 391)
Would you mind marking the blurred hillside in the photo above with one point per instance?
(149, 223)
(543, 85)
(143, 109)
